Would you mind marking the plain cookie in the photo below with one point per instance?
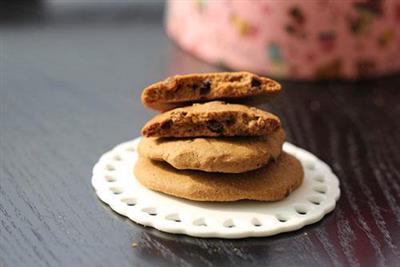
(273, 182)
(212, 119)
(182, 90)
(224, 154)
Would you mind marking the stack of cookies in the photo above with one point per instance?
(206, 145)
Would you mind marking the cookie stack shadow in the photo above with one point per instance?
(209, 145)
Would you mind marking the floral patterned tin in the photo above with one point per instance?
(293, 39)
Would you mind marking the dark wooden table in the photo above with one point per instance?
(70, 80)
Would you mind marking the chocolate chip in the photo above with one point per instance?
(205, 87)
(235, 78)
(231, 120)
(255, 82)
(178, 87)
(166, 125)
(215, 126)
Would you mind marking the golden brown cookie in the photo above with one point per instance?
(212, 119)
(223, 154)
(273, 182)
(182, 90)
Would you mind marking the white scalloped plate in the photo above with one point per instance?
(117, 186)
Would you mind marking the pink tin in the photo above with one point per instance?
(291, 39)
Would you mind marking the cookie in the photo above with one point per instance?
(212, 119)
(182, 90)
(272, 182)
(223, 154)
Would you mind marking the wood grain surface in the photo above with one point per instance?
(69, 91)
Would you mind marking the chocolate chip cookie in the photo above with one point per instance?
(212, 119)
(272, 182)
(182, 90)
(223, 154)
